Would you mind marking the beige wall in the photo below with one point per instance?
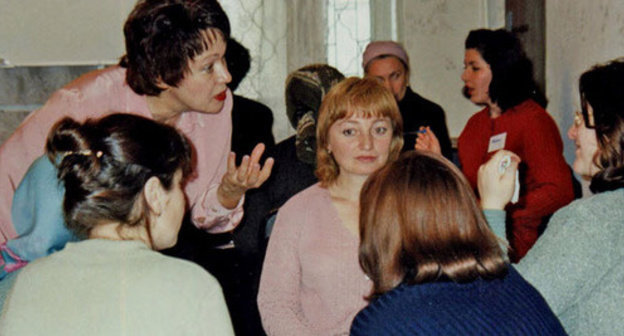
(433, 32)
(62, 32)
(579, 34)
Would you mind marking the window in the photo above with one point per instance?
(349, 31)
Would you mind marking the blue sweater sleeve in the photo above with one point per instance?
(496, 220)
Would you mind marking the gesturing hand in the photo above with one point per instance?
(249, 175)
(496, 180)
(427, 141)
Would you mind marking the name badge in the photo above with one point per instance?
(497, 142)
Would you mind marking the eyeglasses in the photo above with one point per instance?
(584, 117)
(587, 117)
(578, 118)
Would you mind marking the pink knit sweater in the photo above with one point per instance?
(311, 282)
(103, 92)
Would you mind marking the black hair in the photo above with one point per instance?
(238, 62)
(104, 165)
(162, 36)
(512, 71)
(601, 87)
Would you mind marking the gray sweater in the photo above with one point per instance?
(105, 287)
(578, 263)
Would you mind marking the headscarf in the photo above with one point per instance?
(305, 89)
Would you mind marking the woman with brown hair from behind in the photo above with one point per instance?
(124, 178)
(436, 267)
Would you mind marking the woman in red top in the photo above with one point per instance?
(499, 76)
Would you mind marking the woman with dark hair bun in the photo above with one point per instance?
(498, 75)
(436, 267)
(123, 177)
(578, 263)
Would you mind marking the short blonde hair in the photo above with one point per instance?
(354, 96)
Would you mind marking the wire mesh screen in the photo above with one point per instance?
(262, 27)
(348, 34)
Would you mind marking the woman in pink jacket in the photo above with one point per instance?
(173, 72)
(311, 281)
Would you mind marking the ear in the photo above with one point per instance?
(155, 195)
(162, 85)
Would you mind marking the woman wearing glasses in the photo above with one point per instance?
(578, 263)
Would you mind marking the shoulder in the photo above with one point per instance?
(475, 123)
(528, 106)
(478, 118)
(289, 175)
(428, 102)
(516, 281)
(423, 103)
(101, 79)
(404, 310)
(381, 315)
(602, 204)
(95, 88)
(310, 197)
(518, 285)
(165, 274)
(308, 206)
(247, 106)
(41, 170)
(395, 299)
(283, 151)
(184, 273)
(588, 227)
(600, 209)
(529, 111)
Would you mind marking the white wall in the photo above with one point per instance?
(579, 34)
(76, 32)
(433, 32)
(62, 32)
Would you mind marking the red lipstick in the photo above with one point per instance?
(221, 96)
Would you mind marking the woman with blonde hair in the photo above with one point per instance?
(311, 282)
(436, 267)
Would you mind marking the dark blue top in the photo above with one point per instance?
(417, 111)
(508, 306)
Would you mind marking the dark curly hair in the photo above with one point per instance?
(601, 87)
(163, 35)
(238, 62)
(104, 165)
(512, 71)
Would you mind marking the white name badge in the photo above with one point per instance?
(497, 142)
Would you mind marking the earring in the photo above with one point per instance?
(328, 151)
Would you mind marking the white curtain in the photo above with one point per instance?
(282, 36)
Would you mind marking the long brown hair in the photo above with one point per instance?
(420, 222)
